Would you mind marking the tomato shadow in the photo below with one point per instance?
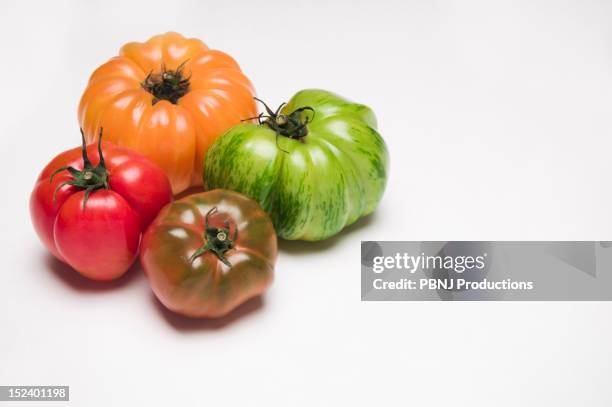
(188, 324)
(301, 246)
(79, 283)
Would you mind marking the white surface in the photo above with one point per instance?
(497, 116)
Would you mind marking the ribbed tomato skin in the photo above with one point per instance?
(313, 187)
(177, 135)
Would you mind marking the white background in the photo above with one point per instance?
(498, 119)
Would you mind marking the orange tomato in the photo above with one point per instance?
(168, 98)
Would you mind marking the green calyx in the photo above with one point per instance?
(170, 85)
(291, 125)
(90, 178)
(216, 240)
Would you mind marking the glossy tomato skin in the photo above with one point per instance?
(312, 187)
(101, 240)
(177, 135)
(206, 287)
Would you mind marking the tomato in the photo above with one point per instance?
(167, 98)
(316, 165)
(207, 253)
(90, 205)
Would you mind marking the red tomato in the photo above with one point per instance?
(91, 204)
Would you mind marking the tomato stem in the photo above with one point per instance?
(293, 125)
(216, 240)
(170, 85)
(90, 178)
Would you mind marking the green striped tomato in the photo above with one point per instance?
(316, 165)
